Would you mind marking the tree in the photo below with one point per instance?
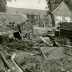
(3, 5)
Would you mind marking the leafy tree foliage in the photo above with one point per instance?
(3, 5)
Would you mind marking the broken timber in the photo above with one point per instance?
(12, 65)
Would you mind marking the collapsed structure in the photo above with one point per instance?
(47, 47)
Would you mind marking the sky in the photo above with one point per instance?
(28, 4)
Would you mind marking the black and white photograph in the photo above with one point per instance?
(35, 35)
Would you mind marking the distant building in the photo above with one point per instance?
(63, 20)
(62, 13)
(36, 7)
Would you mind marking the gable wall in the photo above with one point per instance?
(62, 13)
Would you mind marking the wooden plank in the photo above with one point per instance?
(6, 61)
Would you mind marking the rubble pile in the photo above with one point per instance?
(39, 53)
(30, 58)
(30, 61)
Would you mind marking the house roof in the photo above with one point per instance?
(16, 18)
(4, 29)
(62, 4)
(5, 20)
(63, 12)
(26, 11)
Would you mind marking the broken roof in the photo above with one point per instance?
(4, 21)
(5, 30)
(63, 11)
(16, 18)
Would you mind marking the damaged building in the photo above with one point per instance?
(12, 24)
